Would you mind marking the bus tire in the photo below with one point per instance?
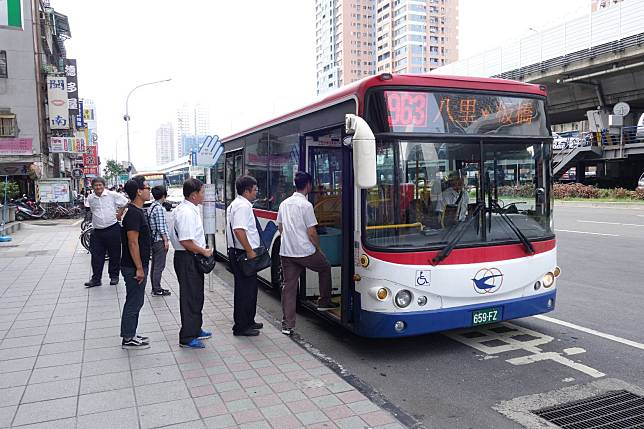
(276, 266)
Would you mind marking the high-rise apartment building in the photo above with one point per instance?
(345, 41)
(356, 38)
(193, 123)
(165, 143)
(415, 36)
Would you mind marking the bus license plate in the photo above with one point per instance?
(485, 316)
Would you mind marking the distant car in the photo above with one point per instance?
(639, 133)
(640, 182)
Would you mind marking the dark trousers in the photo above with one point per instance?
(158, 264)
(134, 294)
(190, 295)
(101, 241)
(245, 299)
(292, 269)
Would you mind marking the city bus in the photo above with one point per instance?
(386, 155)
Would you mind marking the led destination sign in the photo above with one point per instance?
(458, 113)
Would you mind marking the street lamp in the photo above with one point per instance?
(126, 118)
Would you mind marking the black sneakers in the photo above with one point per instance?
(134, 343)
(250, 332)
(114, 281)
(257, 325)
(161, 292)
(90, 284)
(288, 331)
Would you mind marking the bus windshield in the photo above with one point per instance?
(427, 188)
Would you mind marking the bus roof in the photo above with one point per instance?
(357, 90)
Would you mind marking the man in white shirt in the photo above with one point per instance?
(456, 197)
(300, 249)
(242, 237)
(107, 208)
(188, 238)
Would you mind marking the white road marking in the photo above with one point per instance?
(591, 331)
(538, 357)
(586, 232)
(517, 338)
(610, 223)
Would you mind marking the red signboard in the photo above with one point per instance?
(16, 146)
(90, 160)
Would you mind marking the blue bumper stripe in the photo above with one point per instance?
(374, 324)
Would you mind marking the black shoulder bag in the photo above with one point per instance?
(205, 264)
(250, 267)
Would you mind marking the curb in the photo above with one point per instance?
(11, 228)
(606, 204)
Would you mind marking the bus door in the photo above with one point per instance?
(324, 156)
(234, 166)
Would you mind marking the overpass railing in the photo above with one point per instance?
(607, 30)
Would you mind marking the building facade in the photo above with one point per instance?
(357, 38)
(42, 132)
(21, 145)
(165, 144)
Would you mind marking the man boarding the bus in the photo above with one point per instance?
(243, 224)
(300, 249)
(107, 208)
(188, 239)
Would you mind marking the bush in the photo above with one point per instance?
(13, 190)
(577, 190)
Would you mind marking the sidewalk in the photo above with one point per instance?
(61, 364)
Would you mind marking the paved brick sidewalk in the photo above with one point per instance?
(61, 364)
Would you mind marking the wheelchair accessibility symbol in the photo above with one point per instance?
(423, 278)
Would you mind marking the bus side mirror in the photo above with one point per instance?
(363, 144)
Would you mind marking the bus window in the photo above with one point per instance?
(257, 166)
(284, 162)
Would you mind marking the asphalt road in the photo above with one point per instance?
(450, 380)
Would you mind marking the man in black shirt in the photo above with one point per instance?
(134, 261)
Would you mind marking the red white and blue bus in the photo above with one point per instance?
(433, 197)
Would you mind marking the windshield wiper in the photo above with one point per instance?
(444, 253)
(526, 242)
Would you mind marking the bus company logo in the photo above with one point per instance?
(487, 280)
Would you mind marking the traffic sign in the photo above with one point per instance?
(621, 109)
(209, 152)
(123, 177)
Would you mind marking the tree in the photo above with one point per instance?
(112, 170)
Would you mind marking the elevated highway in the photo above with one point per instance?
(591, 62)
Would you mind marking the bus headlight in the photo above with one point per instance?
(422, 300)
(556, 271)
(548, 280)
(382, 293)
(403, 298)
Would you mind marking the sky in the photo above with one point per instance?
(247, 61)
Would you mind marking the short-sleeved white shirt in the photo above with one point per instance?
(450, 197)
(187, 225)
(104, 208)
(296, 216)
(240, 216)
